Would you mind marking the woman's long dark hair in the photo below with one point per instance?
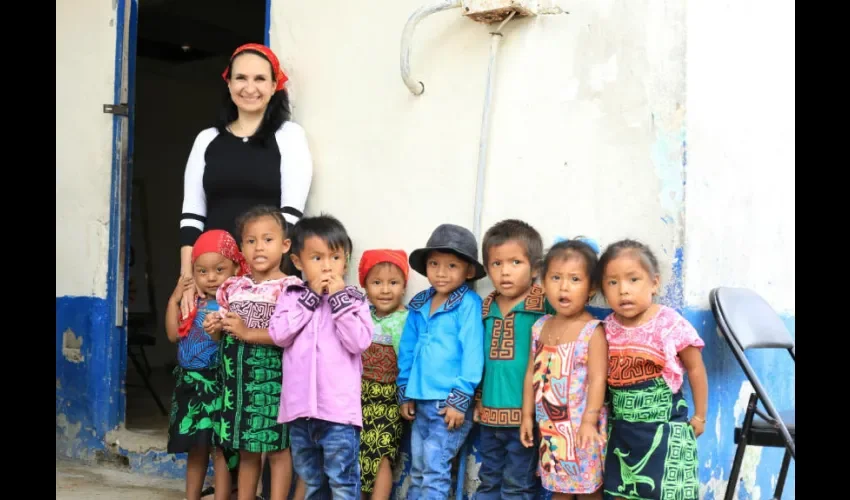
(276, 114)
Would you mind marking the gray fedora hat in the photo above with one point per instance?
(449, 238)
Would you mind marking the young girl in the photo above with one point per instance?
(652, 450)
(215, 258)
(251, 373)
(565, 381)
(383, 274)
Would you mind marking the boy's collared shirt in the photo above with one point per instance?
(507, 350)
(323, 339)
(441, 356)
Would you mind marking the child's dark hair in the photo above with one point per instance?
(255, 213)
(644, 254)
(563, 250)
(326, 227)
(514, 230)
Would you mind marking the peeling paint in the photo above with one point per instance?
(72, 347)
(473, 466)
(741, 403)
(69, 430)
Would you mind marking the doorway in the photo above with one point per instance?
(182, 47)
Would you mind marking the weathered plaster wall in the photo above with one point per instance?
(740, 211)
(85, 68)
(587, 106)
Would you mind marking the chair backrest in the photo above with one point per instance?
(751, 322)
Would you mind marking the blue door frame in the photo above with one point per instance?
(109, 409)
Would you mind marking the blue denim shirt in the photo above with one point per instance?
(441, 356)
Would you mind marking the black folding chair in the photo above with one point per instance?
(747, 321)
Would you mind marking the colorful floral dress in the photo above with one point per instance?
(251, 373)
(652, 449)
(382, 426)
(560, 397)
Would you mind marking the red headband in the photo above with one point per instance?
(221, 242)
(213, 241)
(371, 258)
(279, 76)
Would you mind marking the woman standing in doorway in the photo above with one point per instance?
(253, 156)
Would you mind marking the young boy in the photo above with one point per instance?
(513, 252)
(441, 357)
(324, 326)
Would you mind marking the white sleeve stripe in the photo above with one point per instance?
(192, 223)
(194, 197)
(296, 169)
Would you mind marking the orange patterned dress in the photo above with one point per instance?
(560, 397)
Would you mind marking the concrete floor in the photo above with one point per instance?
(77, 481)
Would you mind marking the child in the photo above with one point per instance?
(441, 357)
(565, 380)
(324, 326)
(652, 450)
(252, 371)
(197, 392)
(513, 252)
(383, 273)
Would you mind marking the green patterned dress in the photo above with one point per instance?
(652, 449)
(251, 374)
(382, 425)
(197, 387)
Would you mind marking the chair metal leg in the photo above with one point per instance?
(783, 473)
(732, 485)
(148, 384)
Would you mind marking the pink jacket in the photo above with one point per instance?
(322, 338)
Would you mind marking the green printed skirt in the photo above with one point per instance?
(251, 378)
(195, 403)
(652, 449)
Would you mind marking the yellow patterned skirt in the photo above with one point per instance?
(382, 429)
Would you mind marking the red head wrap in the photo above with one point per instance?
(279, 76)
(371, 258)
(220, 242)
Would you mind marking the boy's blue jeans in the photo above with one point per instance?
(327, 456)
(433, 447)
(508, 469)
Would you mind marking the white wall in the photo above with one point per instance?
(85, 66)
(587, 119)
(741, 150)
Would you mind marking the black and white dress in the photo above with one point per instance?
(227, 175)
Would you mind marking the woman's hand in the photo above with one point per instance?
(187, 303)
(184, 283)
